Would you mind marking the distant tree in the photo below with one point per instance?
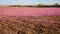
(17, 5)
(14, 5)
(41, 5)
(56, 4)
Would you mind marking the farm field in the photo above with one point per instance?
(28, 20)
(30, 25)
(29, 11)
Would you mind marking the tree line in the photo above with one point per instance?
(39, 5)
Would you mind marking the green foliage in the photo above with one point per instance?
(56, 4)
(15, 5)
(39, 5)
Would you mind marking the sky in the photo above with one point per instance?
(27, 2)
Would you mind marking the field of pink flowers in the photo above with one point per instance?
(30, 25)
(18, 20)
(29, 11)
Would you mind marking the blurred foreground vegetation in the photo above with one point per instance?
(29, 24)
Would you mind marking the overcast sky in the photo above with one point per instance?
(27, 2)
